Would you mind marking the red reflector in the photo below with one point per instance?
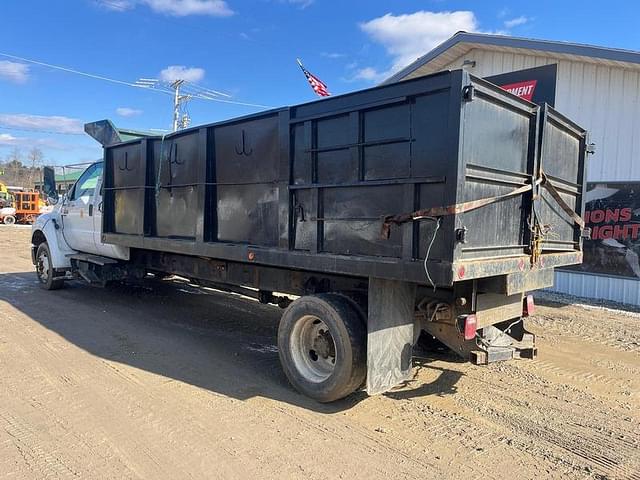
(529, 306)
(461, 271)
(470, 324)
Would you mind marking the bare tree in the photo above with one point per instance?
(14, 166)
(35, 158)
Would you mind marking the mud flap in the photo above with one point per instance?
(390, 333)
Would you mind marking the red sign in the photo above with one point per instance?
(522, 89)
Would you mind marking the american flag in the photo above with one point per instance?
(318, 85)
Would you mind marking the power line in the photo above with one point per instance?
(129, 84)
(40, 131)
(70, 70)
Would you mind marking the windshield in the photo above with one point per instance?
(86, 184)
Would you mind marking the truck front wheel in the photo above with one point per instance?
(322, 346)
(44, 269)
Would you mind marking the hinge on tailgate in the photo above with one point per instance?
(589, 146)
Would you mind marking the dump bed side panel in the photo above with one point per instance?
(352, 169)
(124, 188)
(246, 171)
(498, 155)
(562, 159)
(175, 186)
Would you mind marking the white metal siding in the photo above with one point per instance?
(623, 290)
(606, 101)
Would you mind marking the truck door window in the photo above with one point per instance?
(86, 184)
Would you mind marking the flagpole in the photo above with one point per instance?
(299, 62)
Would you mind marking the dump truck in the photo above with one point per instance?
(433, 205)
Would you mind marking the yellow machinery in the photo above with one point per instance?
(6, 199)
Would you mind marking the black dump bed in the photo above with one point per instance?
(363, 184)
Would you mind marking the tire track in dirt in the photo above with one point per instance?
(599, 438)
(39, 459)
(616, 332)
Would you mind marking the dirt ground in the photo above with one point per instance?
(172, 381)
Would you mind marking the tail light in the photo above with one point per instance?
(529, 306)
(470, 327)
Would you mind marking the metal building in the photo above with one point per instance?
(599, 88)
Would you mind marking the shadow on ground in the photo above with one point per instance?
(219, 342)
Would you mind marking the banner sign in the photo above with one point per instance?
(538, 84)
(522, 89)
(612, 212)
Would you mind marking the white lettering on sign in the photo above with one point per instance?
(522, 89)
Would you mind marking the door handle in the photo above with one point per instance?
(91, 209)
(100, 207)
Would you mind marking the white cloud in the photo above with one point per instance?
(407, 37)
(13, 71)
(369, 74)
(300, 3)
(54, 123)
(128, 112)
(180, 72)
(116, 5)
(177, 8)
(182, 8)
(333, 55)
(514, 22)
(8, 140)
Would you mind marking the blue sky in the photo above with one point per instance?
(244, 48)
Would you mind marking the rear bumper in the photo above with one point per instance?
(473, 269)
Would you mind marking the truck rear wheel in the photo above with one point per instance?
(44, 269)
(322, 345)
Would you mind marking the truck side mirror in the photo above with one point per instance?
(49, 185)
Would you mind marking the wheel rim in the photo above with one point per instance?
(9, 220)
(42, 267)
(313, 349)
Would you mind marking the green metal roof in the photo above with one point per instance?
(69, 177)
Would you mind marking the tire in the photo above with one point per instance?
(322, 343)
(9, 220)
(44, 269)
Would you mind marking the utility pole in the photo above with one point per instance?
(179, 121)
(182, 91)
(176, 103)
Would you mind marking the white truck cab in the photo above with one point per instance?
(72, 229)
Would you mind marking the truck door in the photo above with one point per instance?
(77, 211)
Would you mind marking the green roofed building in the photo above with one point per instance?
(66, 180)
(65, 177)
